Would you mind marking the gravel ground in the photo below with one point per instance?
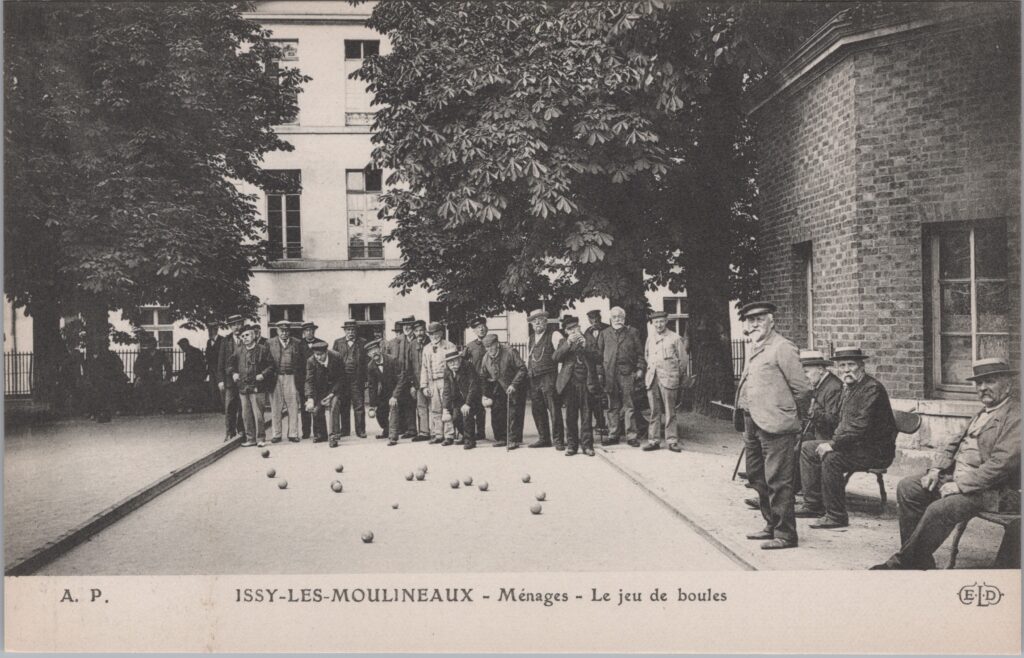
(232, 519)
(59, 474)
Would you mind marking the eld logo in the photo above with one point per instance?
(980, 595)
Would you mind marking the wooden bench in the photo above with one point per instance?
(1007, 521)
(907, 422)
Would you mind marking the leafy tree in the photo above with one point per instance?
(127, 128)
(561, 150)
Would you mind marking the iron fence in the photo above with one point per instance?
(739, 357)
(18, 369)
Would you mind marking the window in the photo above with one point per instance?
(357, 100)
(284, 232)
(370, 318)
(803, 298)
(156, 321)
(365, 239)
(290, 54)
(969, 301)
(290, 312)
(678, 311)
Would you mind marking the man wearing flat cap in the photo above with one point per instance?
(773, 395)
(979, 471)
(620, 369)
(252, 370)
(289, 356)
(351, 350)
(325, 381)
(432, 371)
(668, 365)
(474, 356)
(542, 370)
(383, 388)
(865, 437)
(461, 398)
(233, 424)
(505, 381)
(597, 400)
(577, 379)
(308, 337)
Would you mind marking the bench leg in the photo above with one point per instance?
(881, 493)
(955, 548)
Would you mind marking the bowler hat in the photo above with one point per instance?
(594, 314)
(373, 345)
(409, 319)
(476, 322)
(419, 323)
(756, 308)
(990, 366)
(451, 355)
(813, 358)
(350, 324)
(310, 325)
(849, 354)
(399, 325)
(490, 339)
(318, 345)
(570, 321)
(250, 327)
(435, 328)
(538, 314)
(659, 315)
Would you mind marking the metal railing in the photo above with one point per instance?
(739, 357)
(19, 368)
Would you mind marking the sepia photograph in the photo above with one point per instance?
(643, 318)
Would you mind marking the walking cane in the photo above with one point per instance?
(508, 420)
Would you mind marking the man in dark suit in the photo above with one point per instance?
(979, 471)
(576, 384)
(773, 395)
(325, 382)
(597, 402)
(232, 402)
(252, 370)
(191, 376)
(420, 414)
(505, 379)
(865, 437)
(474, 356)
(215, 397)
(399, 349)
(308, 338)
(352, 351)
(383, 388)
(461, 399)
(620, 369)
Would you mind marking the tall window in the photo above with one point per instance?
(370, 318)
(969, 300)
(803, 298)
(357, 99)
(678, 313)
(156, 321)
(284, 232)
(289, 59)
(365, 238)
(276, 313)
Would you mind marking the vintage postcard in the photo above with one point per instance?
(630, 326)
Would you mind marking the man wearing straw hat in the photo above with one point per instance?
(232, 402)
(505, 381)
(461, 398)
(289, 356)
(865, 437)
(773, 395)
(979, 471)
(352, 351)
(542, 369)
(431, 381)
(474, 356)
(308, 337)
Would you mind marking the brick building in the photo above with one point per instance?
(889, 171)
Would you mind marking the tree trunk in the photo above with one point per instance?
(97, 329)
(48, 352)
(710, 345)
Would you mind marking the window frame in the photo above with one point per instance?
(367, 251)
(157, 329)
(366, 323)
(278, 312)
(282, 248)
(274, 65)
(675, 315)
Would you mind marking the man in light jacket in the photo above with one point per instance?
(667, 366)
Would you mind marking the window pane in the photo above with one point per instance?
(273, 203)
(992, 305)
(352, 49)
(292, 202)
(354, 181)
(163, 316)
(956, 307)
(165, 340)
(670, 306)
(376, 312)
(955, 255)
(371, 48)
(993, 346)
(956, 359)
(373, 180)
(990, 253)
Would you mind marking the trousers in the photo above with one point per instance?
(621, 411)
(579, 431)
(824, 479)
(252, 415)
(352, 400)
(232, 412)
(285, 396)
(547, 415)
(663, 403)
(438, 428)
(771, 462)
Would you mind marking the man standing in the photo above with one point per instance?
(667, 367)
(432, 381)
(232, 403)
(307, 340)
(474, 355)
(505, 374)
(462, 399)
(543, 371)
(191, 376)
(252, 370)
(399, 350)
(620, 369)
(414, 366)
(773, 393)
(383, 388)
(213, 341)
(394, 344)
(977, 472)
(577, 379)
(597, 400)
(865, 437)
(352, 351)
(287, 354)
(325, 381)
(151, 371)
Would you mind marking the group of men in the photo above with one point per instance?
(421, 387)
(805, 428)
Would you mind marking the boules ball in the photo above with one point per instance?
(367, 537)
(535, 508)
(336, 486)
(394, 505)
(420, 475)
(283, 484)
(541, 496)
(526, 479)
(455, 484)
(339, 468)
(483, 486)
(409, 476)
(271, 472)
(468, 482)
(265, 453)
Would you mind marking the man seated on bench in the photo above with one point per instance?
(864, 438)
(978, 472)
